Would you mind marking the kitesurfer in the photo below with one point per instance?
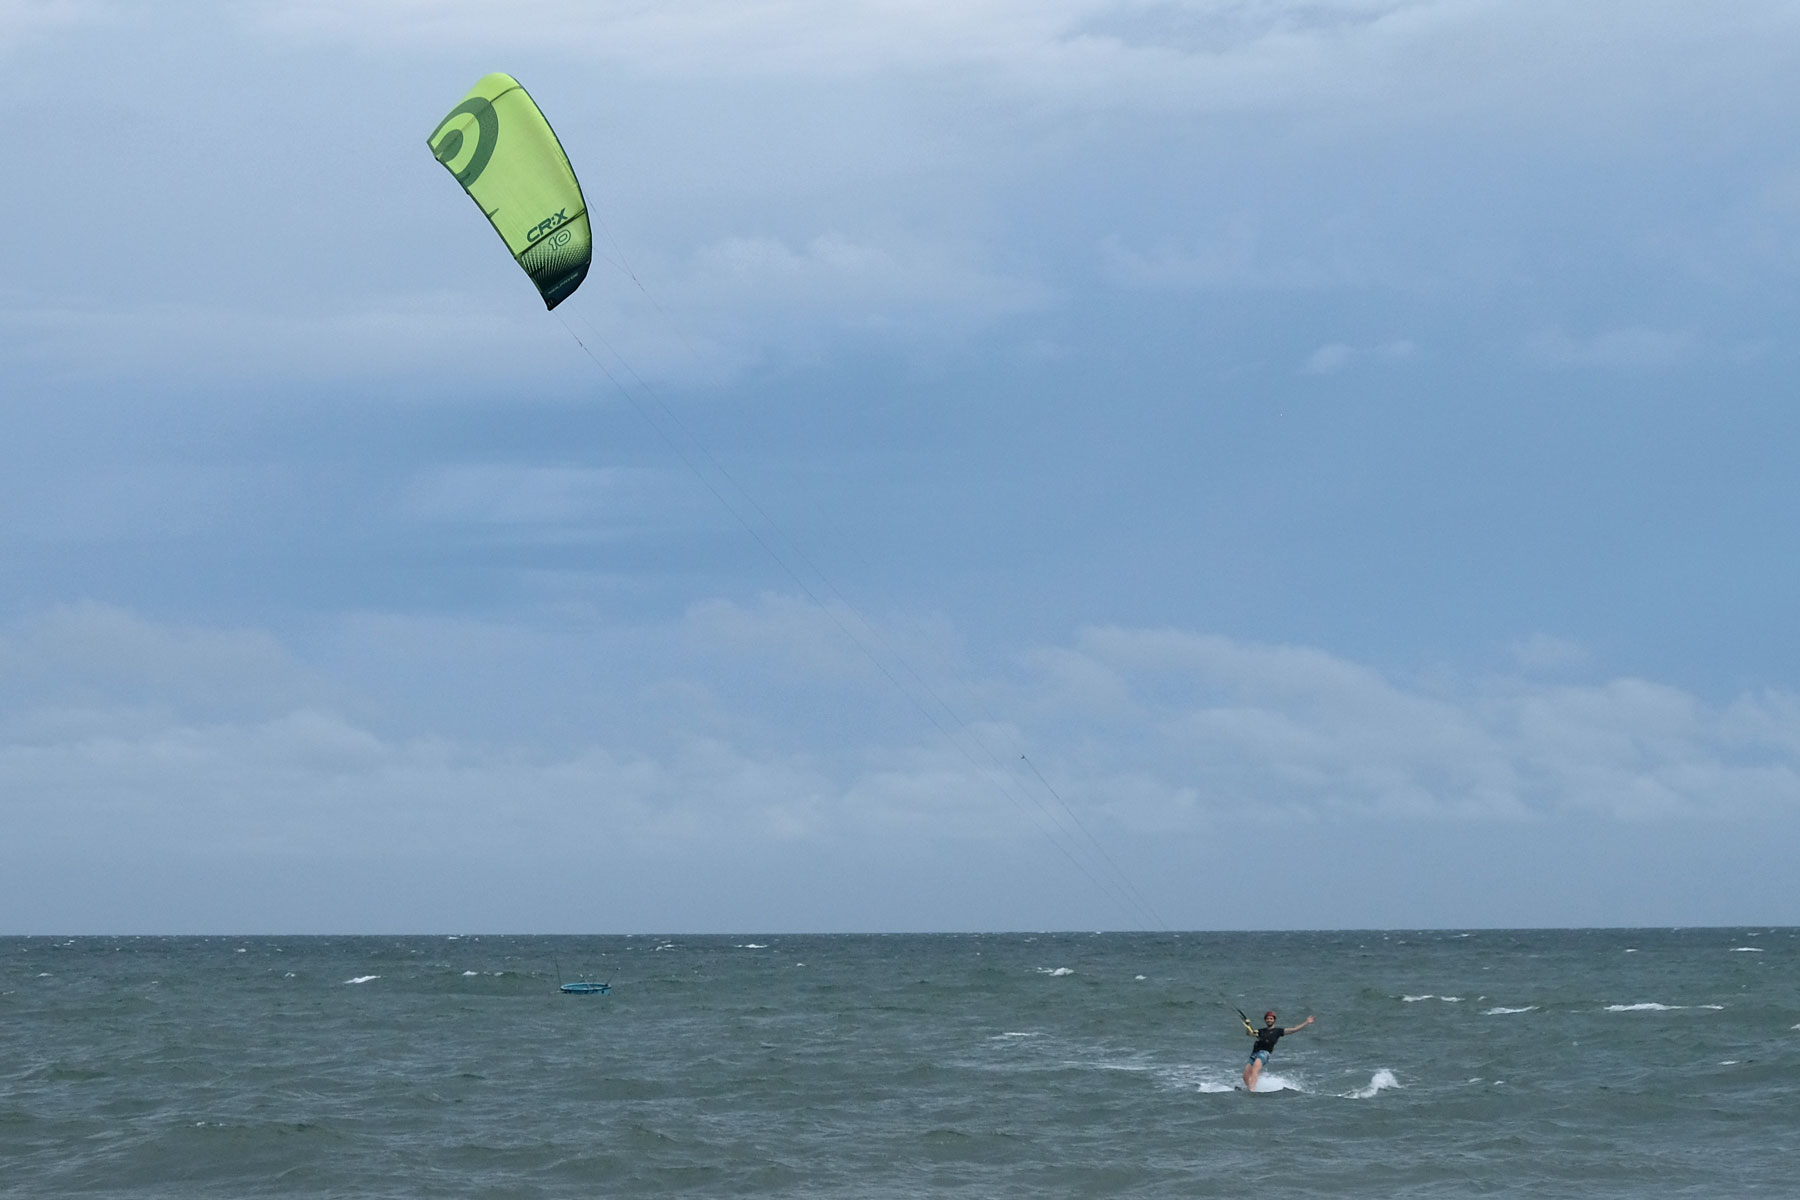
(1266, 1037)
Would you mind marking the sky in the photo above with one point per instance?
(1015, 465)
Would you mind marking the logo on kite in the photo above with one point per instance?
(447, 140)
(546, 225)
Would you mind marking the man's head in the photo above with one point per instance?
(1268, 1018)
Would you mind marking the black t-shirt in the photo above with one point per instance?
(1266, 1038)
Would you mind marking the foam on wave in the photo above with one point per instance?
(1269, 1081)
(1378, 1082)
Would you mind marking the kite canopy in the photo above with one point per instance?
(504, 153)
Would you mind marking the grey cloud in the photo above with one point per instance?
(1314, 731)
(1628, 349)
(1333, 357)
(406, 336)
(550, 503)
(1523, 63)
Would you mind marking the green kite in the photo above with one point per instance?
(504, 153)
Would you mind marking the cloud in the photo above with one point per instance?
(404, 337)
(742, 300)
(125, 741)
(106, 713)
(1313, 733)
(22, 21)
(556, 504)
(1369, 60)
(1240, 257)
(755, 299)
(91, 663)
(771, 291)
(1333, 357)
(1632, 348)
(1541, 652)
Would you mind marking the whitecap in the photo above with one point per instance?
(1139, 978)
(1451, 999)
(1380, 1081)
(1499, 1011)
(466, 974)
(999, 1037)
(753, 946)
(1416, 999)
(1055, 970)
(1268, 1081)
(1650, 1006)
(1745, 950)
(362, 979)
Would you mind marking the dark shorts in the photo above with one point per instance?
(1256, 1054)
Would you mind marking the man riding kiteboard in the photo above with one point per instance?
(1266, 1037)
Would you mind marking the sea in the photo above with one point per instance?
(1591, 1063)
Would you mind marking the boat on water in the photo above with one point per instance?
(579, 988)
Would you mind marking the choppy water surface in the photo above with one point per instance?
(1590, 1063)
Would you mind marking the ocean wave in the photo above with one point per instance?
(1269, 1081)
(1498, 1010)
(1378, 1082)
